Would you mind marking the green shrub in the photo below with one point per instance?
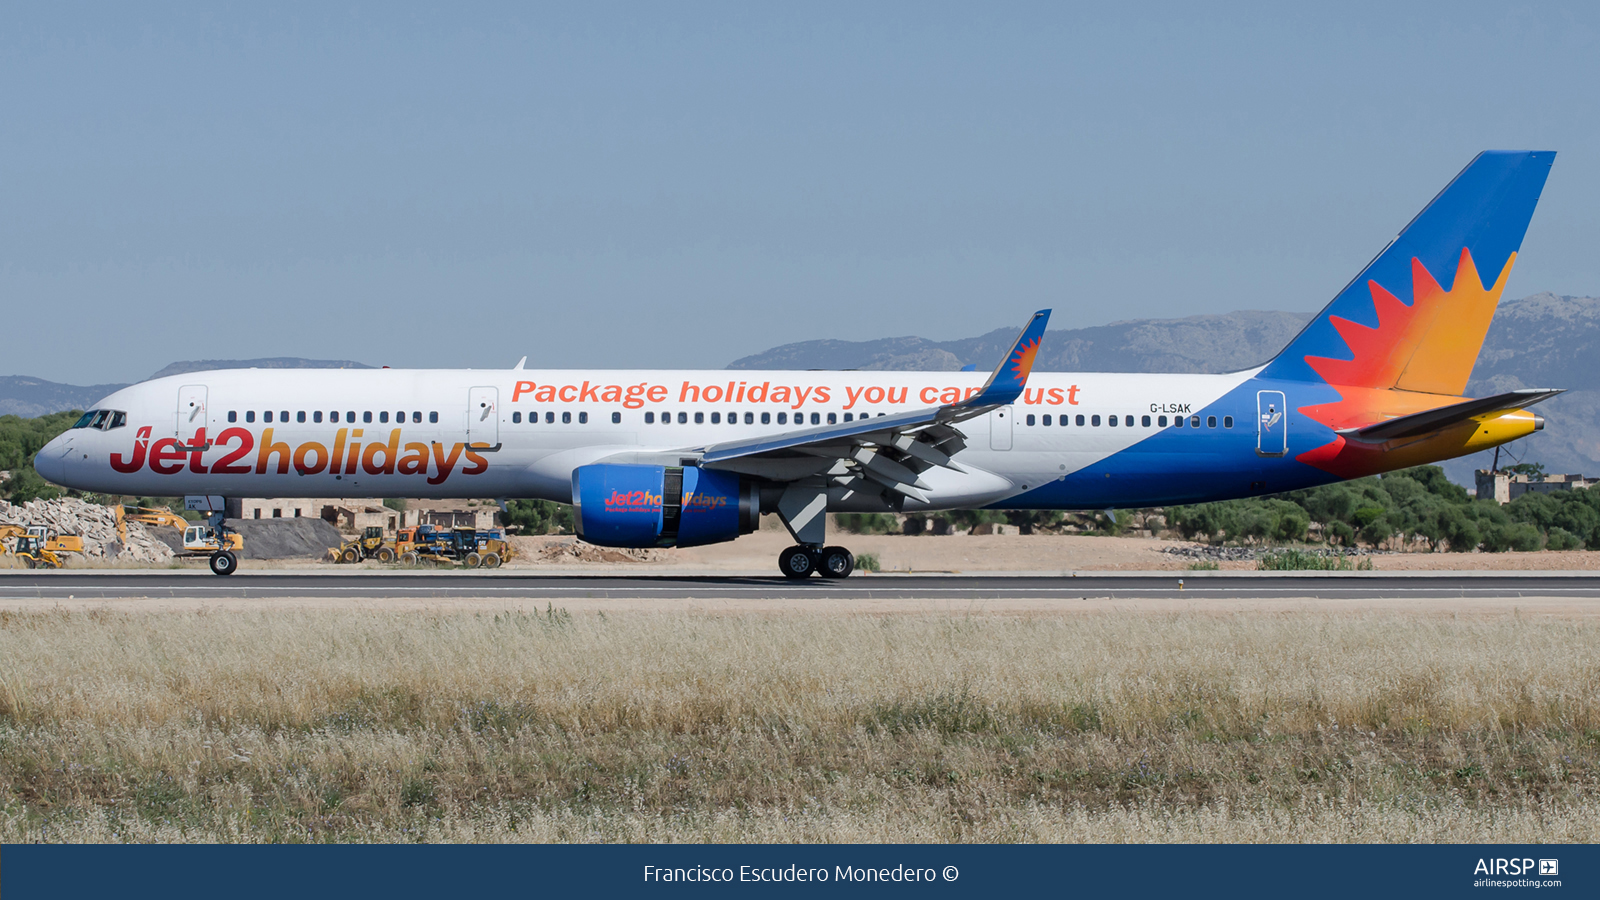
(869, 523)
(868, 562)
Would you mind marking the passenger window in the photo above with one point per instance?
(416, 417)
(549, 418)
(1211, 421)
(1194, 421)
(816, 418)
(583, 418)
(233, 416)
(350, 416)
(366, 418)
(833, 419)
(383, 417)
(749, 418)
(716, 418)
(118, 419)
(683, 418)
(1080, 421)
(783, 418)
(1227, 421)
(1162, 421)
(516, 418)
(433, 418)
(1030, 419)
(1047, 420)
(267, 417)
(766, 418)
(284, 417)
(699, 418)
(399, 418)
(1095, 421)
(300, 416)
(316, 416)
(1112, 421)
(249, 415)
(851, 417)
(1177, 422)
(616, 418)
(566, 417)
(1128, 421)
(649, 418)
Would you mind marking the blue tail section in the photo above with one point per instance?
(1479, 217)
(1008, 380)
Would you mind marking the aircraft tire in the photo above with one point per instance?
(836, 562)
(224, 563)
(490, 561)
(796, 562)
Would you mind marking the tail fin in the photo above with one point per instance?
(1395, 326)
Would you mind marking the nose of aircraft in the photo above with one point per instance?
(51, 461)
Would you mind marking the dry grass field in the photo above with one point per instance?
(326, 725)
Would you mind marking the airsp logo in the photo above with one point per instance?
(1502, 866)
(1549, 867)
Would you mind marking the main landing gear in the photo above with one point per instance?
(829, 562)
(223, 562)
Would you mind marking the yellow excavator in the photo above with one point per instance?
(198, 539)
(37, 548)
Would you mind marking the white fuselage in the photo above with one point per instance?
(520, 433)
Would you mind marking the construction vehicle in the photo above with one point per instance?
(37, 548)
(218, 542)
(147, 515)
(461, 546)
(369, 546)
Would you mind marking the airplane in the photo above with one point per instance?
(1374, 382)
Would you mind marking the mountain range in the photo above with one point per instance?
(1545, 340)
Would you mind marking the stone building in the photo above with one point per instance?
(1504, 487)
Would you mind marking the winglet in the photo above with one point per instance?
(1007, 382)
(520, 363)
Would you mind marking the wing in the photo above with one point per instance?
(886, 453)
(1434, 419)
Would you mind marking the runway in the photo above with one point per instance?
(80, 585)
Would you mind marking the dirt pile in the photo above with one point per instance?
(567, 553)
(96, 524)
(285, 538)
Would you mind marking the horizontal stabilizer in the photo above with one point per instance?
(1445, 416)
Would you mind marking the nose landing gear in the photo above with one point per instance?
(830, 562)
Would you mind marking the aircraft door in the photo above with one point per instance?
(483, 416)
(191, 412)
(1272, 419)
(1000, 428)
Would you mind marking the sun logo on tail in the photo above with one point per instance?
(1022, 360)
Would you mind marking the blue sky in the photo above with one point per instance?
(686, 184)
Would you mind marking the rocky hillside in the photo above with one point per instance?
(30, 397)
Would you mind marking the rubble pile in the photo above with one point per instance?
(1215, 553)
(96, 524)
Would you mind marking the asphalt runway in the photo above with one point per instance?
(111, 585)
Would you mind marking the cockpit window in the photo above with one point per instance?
(118, 419)
(85, 419)
(100, 417)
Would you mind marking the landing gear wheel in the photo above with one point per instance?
(384, 555)
(796, 562)
(835, 562)
(224, 563)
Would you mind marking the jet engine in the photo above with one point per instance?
(662, 506)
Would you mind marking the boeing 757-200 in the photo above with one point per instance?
(681, 458)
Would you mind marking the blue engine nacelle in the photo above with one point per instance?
(662, 506)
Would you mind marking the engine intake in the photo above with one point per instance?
(662, 506)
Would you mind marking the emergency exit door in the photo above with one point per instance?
(191, 412)
(483, 416)
(1272, 420)
(1000, 428)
